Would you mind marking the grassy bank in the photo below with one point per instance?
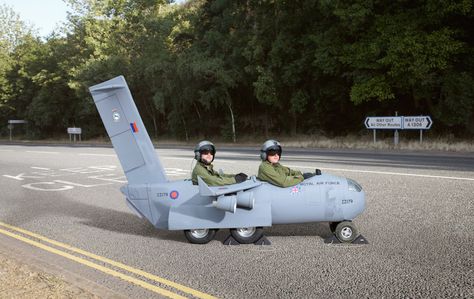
(355, 142)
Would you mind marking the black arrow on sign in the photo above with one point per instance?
(429, 122)
(367, 122)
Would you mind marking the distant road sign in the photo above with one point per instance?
(17, 121)
(74, 130)
(384, 122)
(417, 122)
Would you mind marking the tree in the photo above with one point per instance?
(13, 32)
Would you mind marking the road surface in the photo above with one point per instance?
(63, 206)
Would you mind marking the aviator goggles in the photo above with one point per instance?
(206, 152)
(273, 152)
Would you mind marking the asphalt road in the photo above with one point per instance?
(419, 221)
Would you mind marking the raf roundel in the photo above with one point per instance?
(174, 194)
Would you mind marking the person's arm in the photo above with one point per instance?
(294, 172)
(227, 175)
(218, 180)
(196, 171)
(212, 178)
(239, 177)
(269, 173)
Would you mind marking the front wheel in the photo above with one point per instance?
(200, 236)
(346, 232)
(247, 235)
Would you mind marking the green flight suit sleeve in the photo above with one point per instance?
(278, 175)
(294, 172)
(211, 177)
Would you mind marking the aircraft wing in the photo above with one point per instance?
(206, 190)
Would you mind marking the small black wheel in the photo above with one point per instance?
(246, 235)
(200, 236)
(332, 226)
(346, 231)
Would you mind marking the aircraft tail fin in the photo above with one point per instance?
(127, 132)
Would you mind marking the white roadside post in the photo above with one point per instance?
(395, 135)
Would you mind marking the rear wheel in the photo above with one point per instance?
(200, 236)
(346, 231)
(247, 235)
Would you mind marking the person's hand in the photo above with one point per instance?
(240, 177)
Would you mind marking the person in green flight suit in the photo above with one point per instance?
(272, 171)
(204, 153)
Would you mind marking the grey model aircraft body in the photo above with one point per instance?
(200, 210)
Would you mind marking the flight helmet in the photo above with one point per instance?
(204, 146)
(270, 145)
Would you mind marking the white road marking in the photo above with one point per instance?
(228, 161)
(42, 168)
(110, 177)
(104, 167)
(32, 187)
(99, 155)
(42, 152)
(176, 158)
(22, 177)
(176, 171)
(81, 185)
(388, 173)
(87, 170)
(191, 158)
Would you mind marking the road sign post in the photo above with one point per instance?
(10, 127)
(12, 122)
(73, 132)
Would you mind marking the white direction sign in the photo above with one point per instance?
(398, 122)
(384, 122)
(74, 131)
(17, 121)
(417, 122)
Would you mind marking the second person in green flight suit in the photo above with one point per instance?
(272, 171)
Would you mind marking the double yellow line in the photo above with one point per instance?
(101, 268)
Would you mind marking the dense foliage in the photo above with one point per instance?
(234, 68)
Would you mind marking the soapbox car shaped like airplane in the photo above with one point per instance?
(200, 210)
